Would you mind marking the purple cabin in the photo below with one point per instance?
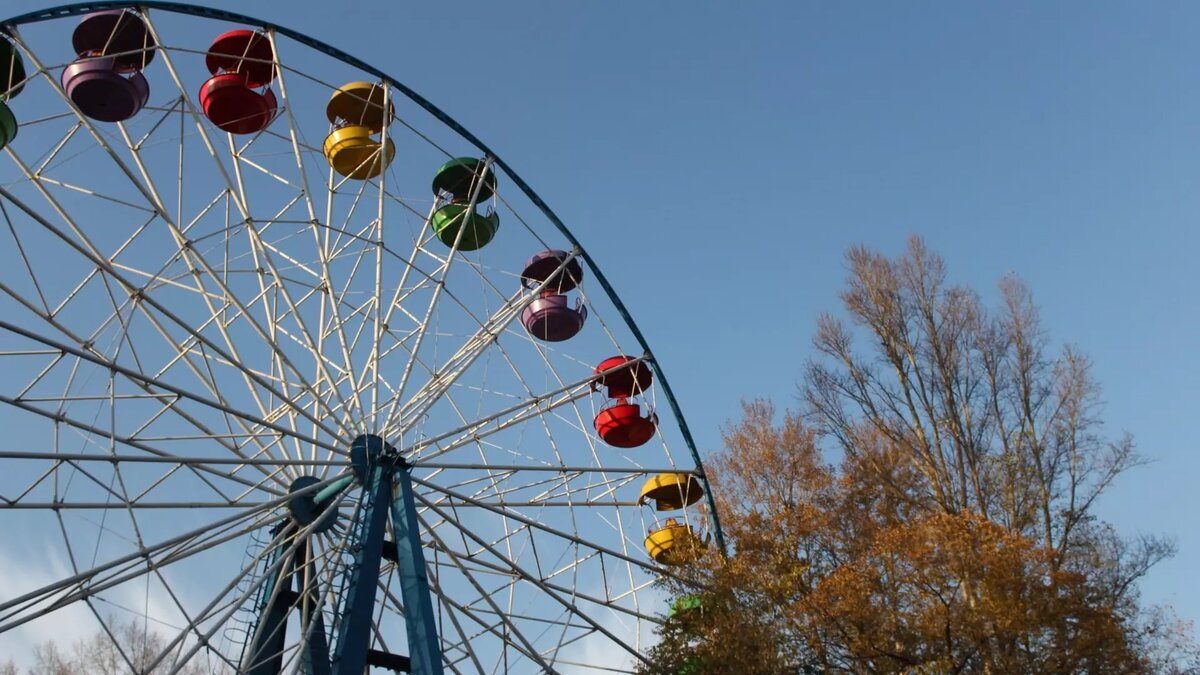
(551, 317)
(105, 82)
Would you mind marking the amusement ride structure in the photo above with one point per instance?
(275, 381)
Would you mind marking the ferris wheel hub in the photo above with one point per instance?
(244, 326)
(369, 450)
(306, 509)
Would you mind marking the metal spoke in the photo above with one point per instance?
(197, 319)
(524, 574)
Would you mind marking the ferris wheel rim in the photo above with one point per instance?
(76, 9)
(443, 498)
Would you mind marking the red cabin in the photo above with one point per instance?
(621, 423)
(238, 98)
(623, 426)
(622, 382)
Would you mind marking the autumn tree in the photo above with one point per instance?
(931, 508)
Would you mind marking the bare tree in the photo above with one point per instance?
(118, 649)
(957, 534)
(995, 422)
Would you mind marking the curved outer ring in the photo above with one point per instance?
(233, 17)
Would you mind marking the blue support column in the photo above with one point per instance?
(315, 657)
(264, 655)
(316, 650)
(357, 621)
(424, 648)
(383, 474)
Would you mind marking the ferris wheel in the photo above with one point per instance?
(299, 374)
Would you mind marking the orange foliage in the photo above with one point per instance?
(834, 572)
(955, 533)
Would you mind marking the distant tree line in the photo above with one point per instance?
(118, 649)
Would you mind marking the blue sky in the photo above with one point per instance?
(717, 159)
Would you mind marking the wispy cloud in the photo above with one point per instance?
(599, 653)
(20, 574)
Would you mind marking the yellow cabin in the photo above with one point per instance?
(671, 491)
(357, 112)
(673, 544)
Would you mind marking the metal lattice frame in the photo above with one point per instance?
(263, 355)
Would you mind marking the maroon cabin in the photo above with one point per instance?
(238, 98)
(106, 82)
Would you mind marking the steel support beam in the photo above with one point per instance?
(314, 660)
(264, 654)
(387, 489)
(424, 647)
(356, 627)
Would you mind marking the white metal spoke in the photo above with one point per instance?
(148, 300)
(527, 576)
(486, 596)
(532, 522)
(192, 320)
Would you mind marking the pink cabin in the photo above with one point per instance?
(551, 317)
(238, 98)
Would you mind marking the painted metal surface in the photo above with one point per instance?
(116, 32)
(671, 491)
(623, 376)
(97, 87)
(233, 106)
(314, 660)
(264, 653)
(357, 620)
(399, 517)
(308, 508)
(357, 112)
(551, 318)
(360, 104)
(424, 649)
(399, 87)
(243, 51)
(623, 426)
(480, 228)
(459, 176)
(12, 70)
(8, 125)
(544, 267)
(673, 544)
(353, 152)
(241, 62)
